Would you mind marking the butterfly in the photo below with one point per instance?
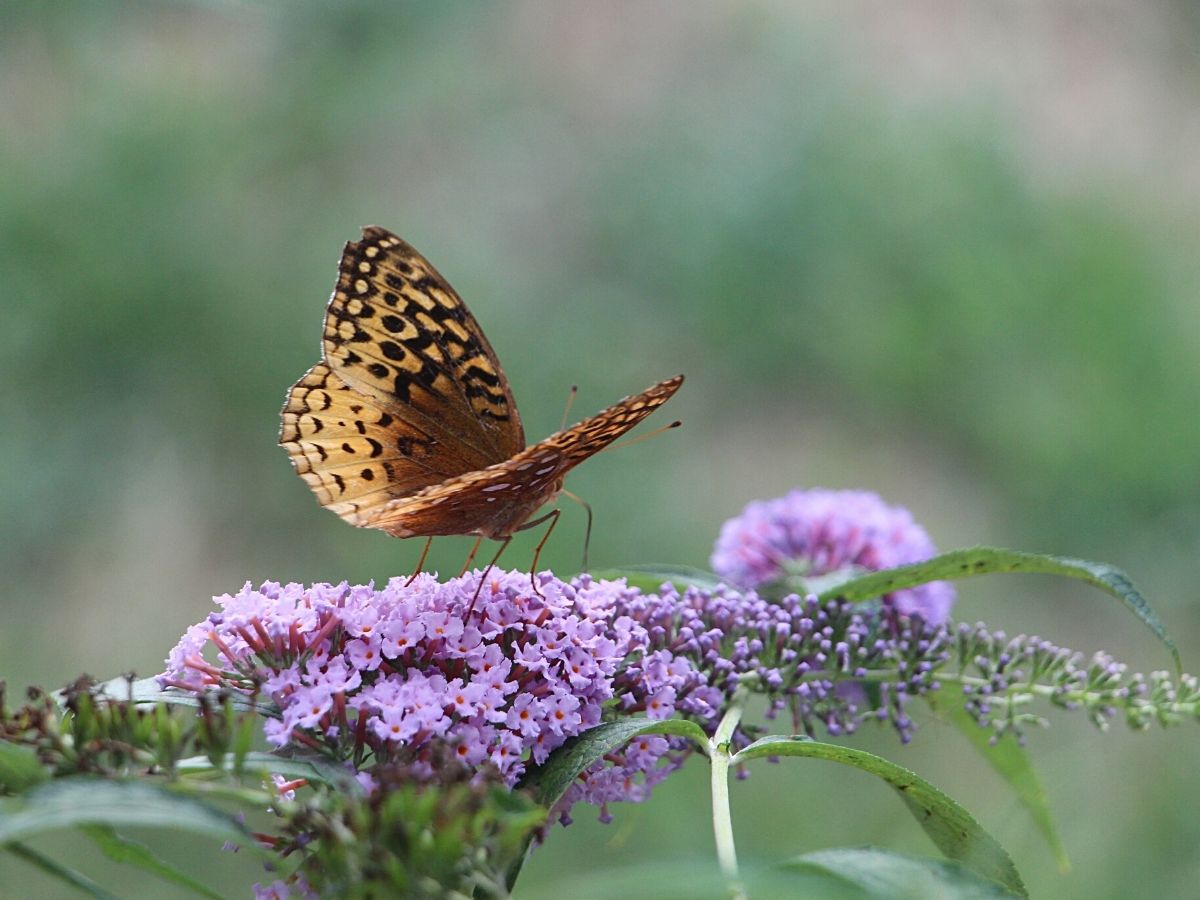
(408, 423)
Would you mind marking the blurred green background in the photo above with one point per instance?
(940, 250)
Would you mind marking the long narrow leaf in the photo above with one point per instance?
(948, 824)
(79, 800)
(55, 869)
(123, 850)
(1010, 761)
(315, 769)
(884, 875)
(551, 779)
(148, 691)
(985, 560)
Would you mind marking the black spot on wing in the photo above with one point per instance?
(394, 324)
(488, 377)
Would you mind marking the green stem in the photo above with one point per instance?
(719, 757)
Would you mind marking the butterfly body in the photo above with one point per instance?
(408, 424)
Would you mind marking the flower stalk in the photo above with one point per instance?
(719, 756)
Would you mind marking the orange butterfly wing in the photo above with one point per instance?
(495, 501)
(408, 423)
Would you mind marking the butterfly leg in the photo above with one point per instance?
(420, 562)
(470, 557)
(587, 534)
(537, 551)
(483, 577)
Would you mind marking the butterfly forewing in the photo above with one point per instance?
(496, 501)
(397, 332)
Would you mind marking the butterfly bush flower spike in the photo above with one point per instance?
(800, 652)
(810, 533)
(397, 674)
(401, 676)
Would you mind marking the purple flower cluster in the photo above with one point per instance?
(403, 674)
(993, 667)
(804, 654)
(395, 674)
(656, 683)
(816, 532)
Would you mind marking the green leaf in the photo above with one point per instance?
(82, 800)
(1010, 761)
(19, 768)
(122, 688)
(146, 691)
(550, 780)
(244, 734)
(948, 825)
(55, 869)
(985, 560)
(319, 769)
(123, 850)
(688, 878)
(884, 875)
(151, 693)
(652, 577)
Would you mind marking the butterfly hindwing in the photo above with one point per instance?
(355, 455)
(496, 501)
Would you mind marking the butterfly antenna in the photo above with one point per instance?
(587, 534)
(567, 409)
(483, 577)
(641, 437)
(420, 563)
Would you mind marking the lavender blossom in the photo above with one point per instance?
(800, 651)
(398, 674)
(817, 532)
